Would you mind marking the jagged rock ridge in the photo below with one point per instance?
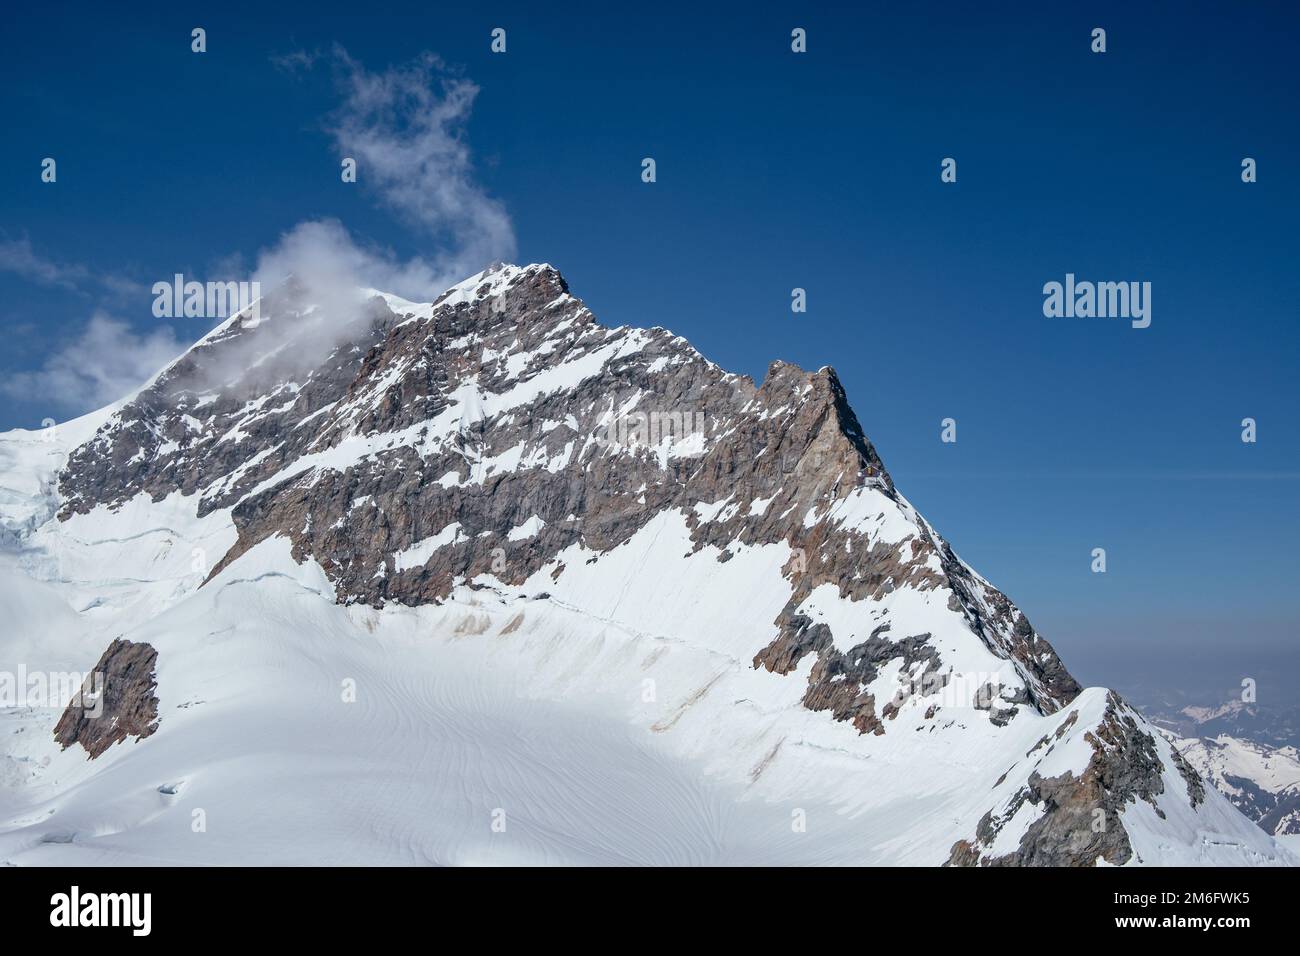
(454, 419)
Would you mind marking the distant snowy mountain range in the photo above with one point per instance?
(484, 581)
(1273, 725)
(1261, 781)
(1246, 750)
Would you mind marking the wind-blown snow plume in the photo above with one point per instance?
(334, 268)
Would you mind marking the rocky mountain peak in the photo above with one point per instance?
(501, 441)
(410, 455)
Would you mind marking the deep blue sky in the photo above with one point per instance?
(820, 170)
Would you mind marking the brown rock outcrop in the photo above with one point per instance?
(117, 701)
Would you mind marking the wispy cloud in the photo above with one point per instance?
(17, 257)
(324, 257)
(103, 363)
(295, 61)
(405, 127)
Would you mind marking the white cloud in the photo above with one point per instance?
(18, 257)
(405, 128)
(324, 257)
(104, 363)
(295, 61)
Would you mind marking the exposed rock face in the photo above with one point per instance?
(116, 702)
(477, 439)
(1079, 821)
(1195, 785)
(838, 681)
(1006, 630)
(506, 406)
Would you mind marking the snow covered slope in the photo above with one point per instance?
(483, 581)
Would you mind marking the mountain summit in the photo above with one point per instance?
(482, 580)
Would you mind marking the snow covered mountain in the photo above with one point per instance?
(1245, 750)
(1274, 725)
(483, 581)
(1262, 781)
